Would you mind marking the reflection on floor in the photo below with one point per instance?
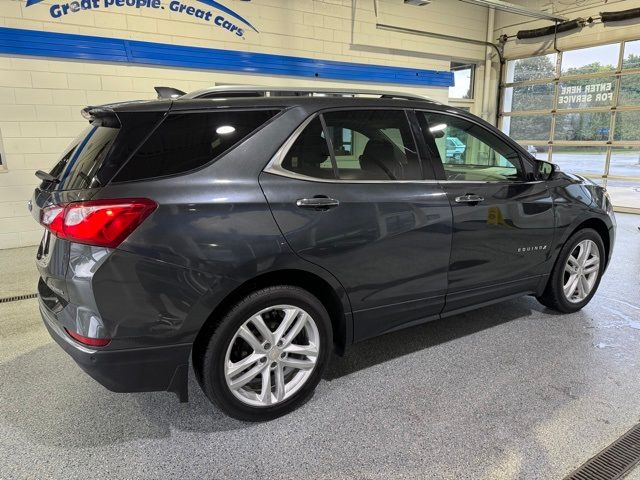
(509, 391)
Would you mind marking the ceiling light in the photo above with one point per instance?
(225, 130)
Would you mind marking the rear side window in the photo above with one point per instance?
(77, 168)
(367, 145)
(186, 141)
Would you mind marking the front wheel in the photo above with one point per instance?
(267, 354)
(576, 275)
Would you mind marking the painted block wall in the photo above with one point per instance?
(41, 98)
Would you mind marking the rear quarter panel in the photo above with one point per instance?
(212, 231)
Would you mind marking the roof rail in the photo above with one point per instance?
(260, 91)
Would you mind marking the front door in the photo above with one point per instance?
(350, 196)
(503, 220)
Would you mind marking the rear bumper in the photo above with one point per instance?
(130, 370)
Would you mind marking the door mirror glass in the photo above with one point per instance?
(545, 169)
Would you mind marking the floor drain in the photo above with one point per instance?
(18, 297)
(612, 462)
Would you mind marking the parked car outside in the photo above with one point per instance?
(455, 149)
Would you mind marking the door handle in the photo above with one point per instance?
(469, 198)
(317, 203)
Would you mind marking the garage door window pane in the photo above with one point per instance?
(582, 126)
(527, 127)
(541, 152)
(590, 60)
(627, 126)
(532, 68)
(629, 90)
(624, 193)
(631, 55)
(529, 97)
(589, 161)
(586, 93)
(625, 162)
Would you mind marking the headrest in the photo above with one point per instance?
(313, 150)
(376, 151)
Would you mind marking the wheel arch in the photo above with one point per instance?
(333, 299)
(599, 226)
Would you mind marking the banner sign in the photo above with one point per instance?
(594, 93)
(229, 20)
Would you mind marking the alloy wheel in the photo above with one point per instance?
(272, 355)
(581, 271)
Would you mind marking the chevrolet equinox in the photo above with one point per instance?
(254, 232)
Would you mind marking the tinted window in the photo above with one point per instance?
(367, 145)
(309, 155)
(187, 141)
(373, 145)
(78, 166)
(468, 151)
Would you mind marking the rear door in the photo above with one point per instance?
(351, 195)
(503, 220)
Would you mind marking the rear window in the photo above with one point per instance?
(79, 164)
(186, 141)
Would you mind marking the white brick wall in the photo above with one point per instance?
(40, 98)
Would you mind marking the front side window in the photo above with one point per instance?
(365, 145)
(186, 141)
(468, 151)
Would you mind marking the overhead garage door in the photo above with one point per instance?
(580, 109)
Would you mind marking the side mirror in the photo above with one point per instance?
(545, 170)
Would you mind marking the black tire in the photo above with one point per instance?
(553, 296)
(212, 375)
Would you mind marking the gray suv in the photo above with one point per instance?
(254, 232)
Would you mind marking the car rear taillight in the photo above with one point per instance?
(91, 342)
(104, 223)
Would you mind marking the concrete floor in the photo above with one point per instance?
(510, 391)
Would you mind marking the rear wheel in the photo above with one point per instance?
(576, 275)
(267, 354)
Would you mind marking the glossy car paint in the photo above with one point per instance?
(394, 254)
(387, 243)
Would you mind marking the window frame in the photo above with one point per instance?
(458, 66)
(275, 164)
(3, 156)
(527, 166)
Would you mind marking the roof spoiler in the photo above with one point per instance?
(101, 116)
(168, 92)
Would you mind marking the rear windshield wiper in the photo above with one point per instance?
(47, 177)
